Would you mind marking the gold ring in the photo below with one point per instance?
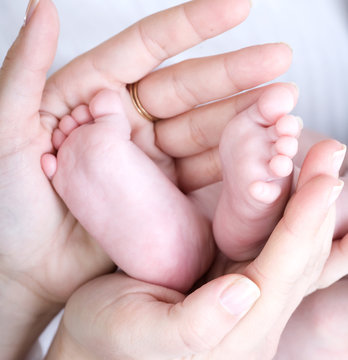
(133, 91)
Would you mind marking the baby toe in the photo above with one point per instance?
(289, 125)
(265, 192)
(287, 146)
(275, 103)
(49, 165)
(58, 138)
(106, 102)
(67, 124)
(82, 115)
(281, 165)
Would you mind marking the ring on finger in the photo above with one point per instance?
(133, 92)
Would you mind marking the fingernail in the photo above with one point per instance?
(338, 158)
(336, 191)
(238, 298)
(294, 84)
(30, 10)
(300, 122)
(286, 44)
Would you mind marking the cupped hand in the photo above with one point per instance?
(31, 211)
(45, 253)
(116, 317)
(41, 246)
(132, 55)
(184, 145)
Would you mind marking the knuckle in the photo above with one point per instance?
(197, 134)
(153, 47)
(195, 337)
(196, 30)
(213, 170)
(183, 92)
(229, 74)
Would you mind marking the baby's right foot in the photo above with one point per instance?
(256, 151)
(144, 223)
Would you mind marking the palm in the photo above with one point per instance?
(39, 236)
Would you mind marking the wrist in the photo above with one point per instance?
(23, 317)
(65, 347)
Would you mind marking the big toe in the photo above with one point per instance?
(276, 102)
(106, 102)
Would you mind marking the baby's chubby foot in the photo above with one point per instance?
(144, 223)
(256, 152)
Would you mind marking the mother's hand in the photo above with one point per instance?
(45, 253)
(116, 317)
(185, 144)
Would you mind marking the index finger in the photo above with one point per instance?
(146, 44)
(136, 51)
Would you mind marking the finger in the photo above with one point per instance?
(145, 45)
(294, 237)
(198, 171)
(302, 224)
(279, 269)
(23, 74)
(132, 54)
(325, 157)
(179, 88)
(219, 305)
(336, 266)
(200, 129)
(165, 325)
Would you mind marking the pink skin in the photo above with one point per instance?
(318, 329)
(146, 225)
(256, 150)
(110, 185)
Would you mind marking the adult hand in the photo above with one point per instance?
(116, 317)
(318, 329)
(175, 91)
(45, 253)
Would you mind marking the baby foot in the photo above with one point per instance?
(143, 222)
(256, 152)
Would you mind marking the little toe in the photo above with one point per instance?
(58, 138)
(289, 125)
(49, 165)
(67, 124)
(265, 192)
(281, 165)
(82, 115)
(287, 145)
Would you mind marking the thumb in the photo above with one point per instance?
(150, 322)
(198, 324)
(206, 316)
(23, 74)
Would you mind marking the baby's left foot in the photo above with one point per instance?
(256, 152)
